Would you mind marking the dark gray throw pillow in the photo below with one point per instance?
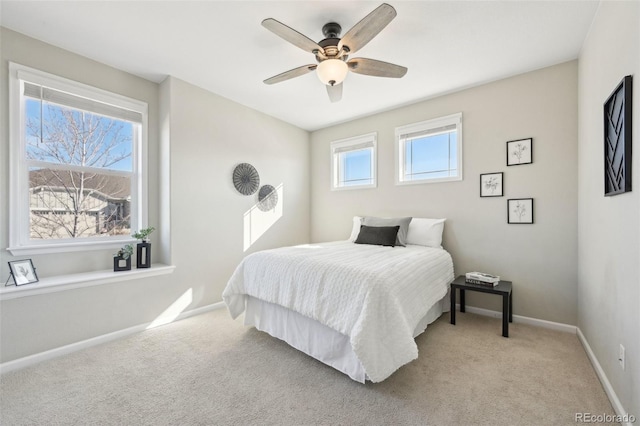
(403, 222)
(378, 235)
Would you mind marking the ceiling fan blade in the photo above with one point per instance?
(296, 72)
(367, 28)
(335, 92)
(376, 68)
(291, 35)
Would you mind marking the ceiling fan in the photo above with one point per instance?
(332, 53)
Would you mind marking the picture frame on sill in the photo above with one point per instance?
(491, 184)
(617, 139)
(23, 272)
(520, 152)
(520, 211)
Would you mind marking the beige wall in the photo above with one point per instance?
(609, 227)
(198, 137)
(540, 259)
(209, 136)
(27, 51)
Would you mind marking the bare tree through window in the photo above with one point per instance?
(78, 180)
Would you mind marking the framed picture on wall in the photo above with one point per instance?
(617, 139)
(491, 184)
(23, 272)
(520, 210)
(520, 152)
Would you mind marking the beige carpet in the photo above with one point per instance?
(209, 370)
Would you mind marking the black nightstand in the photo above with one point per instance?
(504, 288)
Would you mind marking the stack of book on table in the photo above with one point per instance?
(480, 278)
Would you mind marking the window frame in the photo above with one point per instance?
(355, 141)
(20, 242)
(425, 126)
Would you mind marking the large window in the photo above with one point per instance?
(77, 164)
(430, 151)
(353, 162)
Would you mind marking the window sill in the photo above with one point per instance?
(52, 247)
(350, 187)
(435, 180)
(86, 279)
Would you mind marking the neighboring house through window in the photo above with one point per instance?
(353, 162)
(429, 151)
(77, 164)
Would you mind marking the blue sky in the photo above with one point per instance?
(423, 155)
(357, 167)
(51, 110)
(431, 154)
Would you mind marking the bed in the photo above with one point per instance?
(355, 307)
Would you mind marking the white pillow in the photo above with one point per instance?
(357, 221)
(426, 232)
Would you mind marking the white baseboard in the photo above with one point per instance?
(523, 320)
(613, 398)
(19, 363)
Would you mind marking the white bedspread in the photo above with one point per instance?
(375, 295)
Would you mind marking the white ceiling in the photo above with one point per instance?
(221, 46)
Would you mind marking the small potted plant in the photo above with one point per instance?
(143, 247)
(122, 259)
(143, 234)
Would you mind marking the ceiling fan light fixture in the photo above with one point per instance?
(332, 71)
(332, 52)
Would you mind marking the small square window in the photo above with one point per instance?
(353, 162)
(430, 151)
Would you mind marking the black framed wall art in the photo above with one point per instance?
(617, 139)
(491, 184)
(520, 152)
(520, 210)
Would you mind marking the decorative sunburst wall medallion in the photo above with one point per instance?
(267, 198)
(246, 179)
